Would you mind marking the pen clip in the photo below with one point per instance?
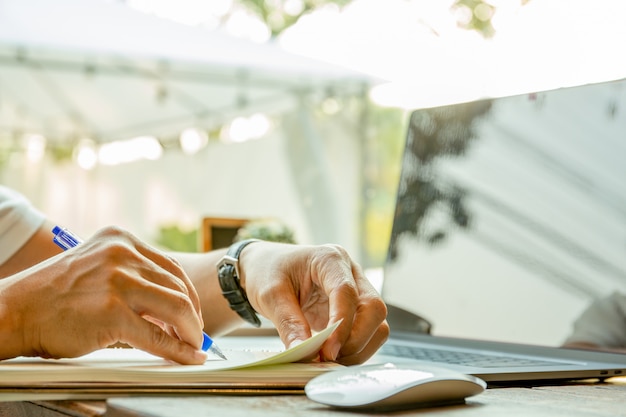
(64, 238)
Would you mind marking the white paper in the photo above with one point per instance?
(133, 365)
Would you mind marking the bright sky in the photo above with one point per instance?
(417, 47)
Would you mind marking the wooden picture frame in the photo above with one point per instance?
(219, 232)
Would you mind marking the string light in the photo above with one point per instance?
(242, 129)
(192, 140)
(124, 151)
(88, 153)
(85, 154)
(35, 146)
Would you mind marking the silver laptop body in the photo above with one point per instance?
(510, 220)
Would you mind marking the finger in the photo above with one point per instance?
(371, 312)
(163, 326)
(166, 306)
(289, 320)
(178, 279)
(340, 286)
(144, 335)
(171, 265)
(347, 357)
(163, 277)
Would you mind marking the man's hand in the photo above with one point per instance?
(305, 288)
(112, 288)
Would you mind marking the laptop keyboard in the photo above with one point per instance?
(459, 358)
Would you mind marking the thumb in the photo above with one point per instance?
(292, 326)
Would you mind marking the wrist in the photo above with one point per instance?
(12, 333)
(232, 282)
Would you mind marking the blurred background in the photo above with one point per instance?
(156, 114)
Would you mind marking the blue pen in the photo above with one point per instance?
(66, 240)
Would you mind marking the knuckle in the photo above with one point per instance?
(118, 277)
(347, 290)
(334, 259)
(178, 286)
(175, 262)
(112, 277)
(286, 324)
(112, 232)
(377, 308)
(334, 251)
(289, 327)
(158, 337)
(115, 243)
(116, 251)
(384, 330)
(182, 302)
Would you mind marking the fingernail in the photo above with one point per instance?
(334, 352)
(200, 356)
(295, 343)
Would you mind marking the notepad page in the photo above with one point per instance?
(133, 365)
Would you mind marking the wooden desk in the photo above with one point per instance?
(574, 400)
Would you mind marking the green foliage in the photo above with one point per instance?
(270, 230)
(277, 17)
(174, 238)
(387, 137)
(474, 15)
(388, 133)
(61, 153)
(436, 134)
(479, 14)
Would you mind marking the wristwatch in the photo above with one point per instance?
(228, 275)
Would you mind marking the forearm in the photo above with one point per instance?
(10, 331)
(38, 248)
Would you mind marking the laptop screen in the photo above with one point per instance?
(511, 213)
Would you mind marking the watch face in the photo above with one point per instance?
(225, 270)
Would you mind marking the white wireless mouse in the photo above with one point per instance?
(393, 386)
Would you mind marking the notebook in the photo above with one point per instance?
(250, 368)
(509, 220)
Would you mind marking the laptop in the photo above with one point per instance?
(510, 220)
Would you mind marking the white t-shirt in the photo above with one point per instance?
(19, 220)
(602, 323)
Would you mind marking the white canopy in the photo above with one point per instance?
(77, 68)
(73, 69)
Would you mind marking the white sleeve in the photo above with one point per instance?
(19, 220)
(602, 323)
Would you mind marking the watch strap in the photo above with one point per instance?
(229, 279)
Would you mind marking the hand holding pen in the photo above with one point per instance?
(132, 283)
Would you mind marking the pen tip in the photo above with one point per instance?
(217, 352)
(208, 345)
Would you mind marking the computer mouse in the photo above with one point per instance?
(392, 386)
